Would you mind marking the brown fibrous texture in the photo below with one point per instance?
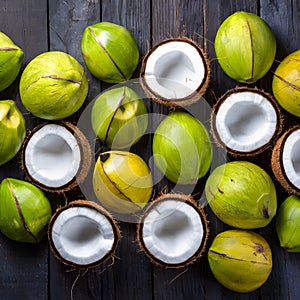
(194, 97)
(182, 198)
(98, 208)
(238, 89)
(277, 163)
(85, 163)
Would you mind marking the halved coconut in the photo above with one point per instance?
(56, 157)
(173, 231)
(175, 72)
(245, 121)
(83, 234)
(286, 160)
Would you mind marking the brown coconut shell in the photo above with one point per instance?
(194, 97)
(256, 151)
(277, 163)
(182, 198)
(85, 164)
(98, 208)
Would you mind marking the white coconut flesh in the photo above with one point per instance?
(173, 232)
(246, 121)
(52, 156)
(175, 70)
(82, 236)
(291, 158)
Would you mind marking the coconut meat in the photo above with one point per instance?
(175, 70)
(82, 235)
(291, 158)
(52, 156)
(246, 121)
(173, 231)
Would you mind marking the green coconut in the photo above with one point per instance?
(245, 47)
(11, 57)
(242, 195)
(240, 260)
(12, 130)
(181, 148)
(24, 211)
(286, 83)
(119, 117)
(109, 51)
(122, 182)
(288, 224)
(53, 86)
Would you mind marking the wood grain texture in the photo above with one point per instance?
(30, 271)
(23, 268)
(135, 16)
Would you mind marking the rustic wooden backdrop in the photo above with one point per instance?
(31, 271)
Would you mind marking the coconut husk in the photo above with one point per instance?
(182, 198)
(98, 208)
(277, 163)
(85, 163)
(268, 145)
(194, 97)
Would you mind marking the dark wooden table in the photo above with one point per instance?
(31, 271)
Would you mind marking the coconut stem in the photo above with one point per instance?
(104, 157)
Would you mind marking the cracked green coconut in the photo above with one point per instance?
(288, 224)
(12, 130)
(122, 182)
(181, 148)
(119, 117)
(242, 195)
(53, 86)
(110, 52)
(286, 83)
(11, 57)
(245, 47)
(24, 211)
(240, 260)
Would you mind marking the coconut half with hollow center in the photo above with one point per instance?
(173, 231)
(175, 72)
(83, 234)
(285, 160)
(245, 121)
(56, 157)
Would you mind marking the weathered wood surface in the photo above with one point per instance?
(31, 271)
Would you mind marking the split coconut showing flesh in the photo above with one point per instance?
(173, 231)
(56, 157)
(83, 234)
(286, 160)
(245, 121)
(175, 72)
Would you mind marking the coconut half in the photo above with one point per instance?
(245, 121)
(56, 157)
(83, 234)
(175, 72)
(286, 160)
(173, 231)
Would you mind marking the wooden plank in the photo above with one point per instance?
(283, 18)
(24, 267)
(67, 21)
(215, 13)
(130, 276)
(173, 19)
